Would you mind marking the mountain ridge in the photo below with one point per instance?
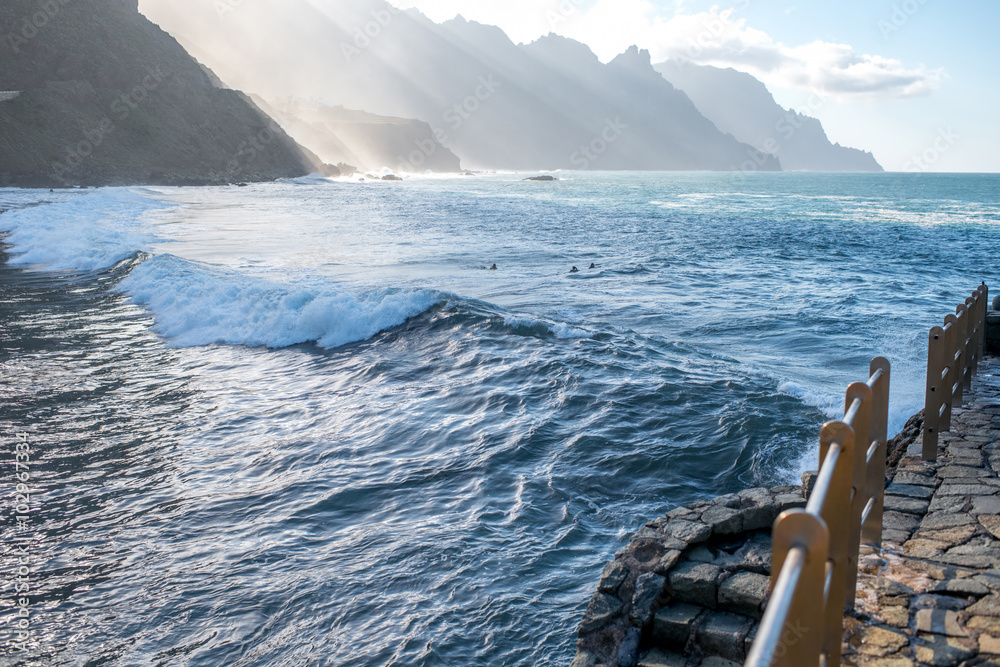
(741, 105)
(108, 98)
(548, 105)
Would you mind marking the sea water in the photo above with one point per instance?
(304, 423)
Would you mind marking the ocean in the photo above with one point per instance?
(304, 423)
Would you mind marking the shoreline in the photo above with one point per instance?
(711, 562)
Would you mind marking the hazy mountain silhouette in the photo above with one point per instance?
(546, 105)
(106, 97)
(358, 138)
(741, 105)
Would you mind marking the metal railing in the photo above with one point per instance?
(953, 354)
(814, 565)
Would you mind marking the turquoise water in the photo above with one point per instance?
(301, 423)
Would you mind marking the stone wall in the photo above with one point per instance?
(692, 582)
(690, 588)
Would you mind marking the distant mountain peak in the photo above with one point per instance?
(741, 105)
(634, 57)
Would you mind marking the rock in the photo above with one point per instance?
(758, 509)
(809, 481)
(755, 556)
(880, 642)
(646, 598)
(787, 501)
(942, 651)
(723, 520)
(723, 635)
(603, 609)
(628, 651)
(939, 622)
(961, 472)
(695, 583)
(949, 536)
(968, 587)
(690, 532)
(948, 504)
(731, 500)
(716, 661)
(915, 478)
(940, 520)
(667, 562)
(583, 659)
(658, 658)
(988, 606)
(672, 625)
(904, 504)
(391, 177)
(967, 490)
(945, 602)
(652, 555)
(991, 523)
(989, 644)
(910, 491)
(545, 177)
(612, 577)
(744, 593)
(986, 505)
(701, 554)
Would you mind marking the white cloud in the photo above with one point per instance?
(716, 37)
(719, 37)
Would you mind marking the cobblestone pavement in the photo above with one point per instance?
(932, 595)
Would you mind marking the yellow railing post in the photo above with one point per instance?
(871, 527)
(796, 640)
(836, 500)
(935, 394)
(857, 414)
(847, 502)
(962, 376)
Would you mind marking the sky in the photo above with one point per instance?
(913, 81)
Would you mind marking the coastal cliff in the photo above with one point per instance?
(99, 95)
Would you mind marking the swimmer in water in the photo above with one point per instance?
(574, 270)
(593, 266)
(493, 268)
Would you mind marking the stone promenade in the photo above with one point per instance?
(932, 596)
(690, 588)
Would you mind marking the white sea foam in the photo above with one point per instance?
(832, 406)
(83, 232)
(197, 304)
(560, 330)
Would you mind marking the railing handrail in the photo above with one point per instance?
(953, 354)
(815, 550)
